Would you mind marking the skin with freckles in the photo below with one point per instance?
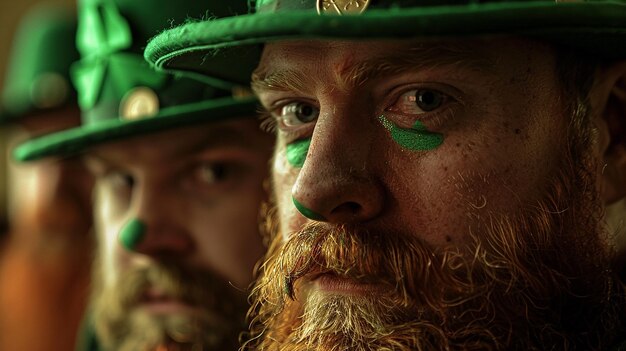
(177, 228)
(371, 165)
(435, 208)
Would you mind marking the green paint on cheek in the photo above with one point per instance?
(132, 234)
(306, 212)
(417, 138)
(297, 151)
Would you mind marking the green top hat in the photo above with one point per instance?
(38, 74)
(594, 26)
(119, 93)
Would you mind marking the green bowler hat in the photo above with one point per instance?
(38, 74)
(120, 95)
(597, 27)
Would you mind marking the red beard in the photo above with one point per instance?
(537, 280)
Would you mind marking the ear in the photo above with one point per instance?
(610, 121)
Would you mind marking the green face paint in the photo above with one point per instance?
(297, 151)
(306, 212)
(418, 138)
(132, 234)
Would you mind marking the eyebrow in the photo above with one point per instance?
(216, 138)
(418, 57)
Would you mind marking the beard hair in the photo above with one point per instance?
(120, 325)
(536, 280)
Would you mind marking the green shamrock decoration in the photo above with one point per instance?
(102, 31)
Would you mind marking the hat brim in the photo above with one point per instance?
(73, 141)
(598, 28)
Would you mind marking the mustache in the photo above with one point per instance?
(121, 324)
(451, 296)
(378, 257)
(171, 280)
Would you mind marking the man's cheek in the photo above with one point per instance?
(290, 219)
(111, 256)
(284, 176)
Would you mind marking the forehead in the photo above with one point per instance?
(177, 144)
(310, 49)
(355, 59)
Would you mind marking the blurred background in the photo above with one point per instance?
(11, 11)
(45, 232)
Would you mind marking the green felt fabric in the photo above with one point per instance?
(111, 35)
(38, 73)
(593, 27)
(76, 140)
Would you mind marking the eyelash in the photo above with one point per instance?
(433, 119)
(268, 122)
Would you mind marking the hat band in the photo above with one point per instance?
(358, 6)
(129, 89)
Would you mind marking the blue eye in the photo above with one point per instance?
(298, 113)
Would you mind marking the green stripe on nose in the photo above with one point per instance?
(310, 214)
(132, 234)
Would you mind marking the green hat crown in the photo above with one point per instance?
(38, 74)
(596, 27)
(120, 95)
(110, 38)
(341, 7)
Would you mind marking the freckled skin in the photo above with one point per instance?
(481, 167)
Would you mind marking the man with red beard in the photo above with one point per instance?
(180, 168)
(433, 191)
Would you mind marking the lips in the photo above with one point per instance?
(333, 283)
(157, 301)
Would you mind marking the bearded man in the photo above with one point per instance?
(179, 170)
(445, 171)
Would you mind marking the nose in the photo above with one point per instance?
(336, 183)
(156, 230)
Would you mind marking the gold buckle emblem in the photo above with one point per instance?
(139, 103)
(342, 7)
